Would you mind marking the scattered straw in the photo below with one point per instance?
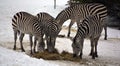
(57, 56)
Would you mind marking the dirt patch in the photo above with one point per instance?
(66, 56)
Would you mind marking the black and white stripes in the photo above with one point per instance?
(90, 20)
(81, 10)
(42, 23)
(25, 23)
(91, 27)
(50, 28)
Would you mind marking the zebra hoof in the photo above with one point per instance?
(80, 57)
(23, 50)
(96, 55)
(68, 36)
(93, 56)
(74, 55)
(105, 38)
(14, 48)
(90, 54)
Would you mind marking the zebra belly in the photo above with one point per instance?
(25, 30)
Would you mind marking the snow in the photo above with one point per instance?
(12, 58)
(108, 50)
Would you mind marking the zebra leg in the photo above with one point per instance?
(21, 39)
(15, 38)
(81, 53)
(92, 53)
(94, 46)
(96, 43)
(91, 48)
(70, 25)
(105, 28)
(35, 41)
(50, 45)
(53, 40)
(31, 43)
(81, 49)
(48, 42)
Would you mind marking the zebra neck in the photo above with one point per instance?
(62, 20)
(63, 16)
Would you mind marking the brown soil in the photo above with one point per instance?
(58, 56)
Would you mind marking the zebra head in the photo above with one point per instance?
(41, 46)
(51, 44)
(76, 47)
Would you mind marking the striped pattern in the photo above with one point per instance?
(91, 27)
(51, 29)
(48, 23)
(81, 10)
(26, 23)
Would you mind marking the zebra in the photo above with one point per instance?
(51, 29)
(25, 23)
(91, 27)
(83, 10)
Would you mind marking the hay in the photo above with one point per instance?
(47, 55)
(69, 57)
(56, 56)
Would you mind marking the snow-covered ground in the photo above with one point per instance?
(12, 58)
(108, 50)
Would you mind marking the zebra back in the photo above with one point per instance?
(82, 10)
(90, 27)
(26, 23)
(50, 26)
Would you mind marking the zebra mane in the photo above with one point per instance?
(62, 13)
